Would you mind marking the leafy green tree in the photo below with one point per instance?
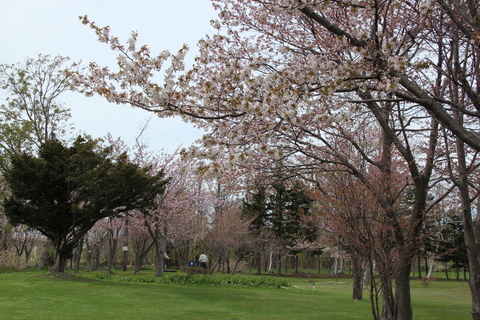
(65, 190)
(255, 207)
(452, 245)
(283, 210)
(288, 210)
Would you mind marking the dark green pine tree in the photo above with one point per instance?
(284, 211)
(452, 245)
(65, 190)
(255, 207)
(288, 209)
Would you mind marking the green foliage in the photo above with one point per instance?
(284, 211)
(211, 280)
(65, 190)
(452, 245)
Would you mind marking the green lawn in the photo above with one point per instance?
(36, 295)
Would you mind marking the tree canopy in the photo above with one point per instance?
(32, 113)
(65, 190)
(365, 87)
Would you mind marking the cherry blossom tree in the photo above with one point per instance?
(179, 214)
(114, 230)
(291, 82)
(25, 241)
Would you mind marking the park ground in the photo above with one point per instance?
(96, 295)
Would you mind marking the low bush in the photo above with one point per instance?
(187, 278)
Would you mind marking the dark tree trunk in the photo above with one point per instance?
(470, 236)
(259, 264)
(97, 258)
(403, 300)
(357, 278)
(388, 304)
(60, 262)
(140, 256)
(296, 264)
(227, 262)
(111, 254)
(78, 256)
(279, 272)
(89, 257)
(419, 267)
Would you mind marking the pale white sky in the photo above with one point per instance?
(31, 27)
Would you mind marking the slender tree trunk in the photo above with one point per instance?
(160, 249)
(279, 269)
(430, 268)
(97, 257)
(89, 257)
(259, 264)
(357, 278)
(125, 247)
(78, 256)
(111, 254)
(473, 255)
(296, 264)
(335, 266)
(140, 256)
(469, 231)
(227, 261)
(269, 270)
(419, 263)
(28, 252)
(236, 263)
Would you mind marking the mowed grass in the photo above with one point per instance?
(35, 295)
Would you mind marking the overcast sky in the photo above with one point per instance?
(32, 27)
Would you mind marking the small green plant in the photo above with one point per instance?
(200, 279)
(101, 275)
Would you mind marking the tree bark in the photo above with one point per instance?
(388, 302)
(160, 249)
(60, 262)
(357, 293)
(279, 270)
(78, 256)
(259, 264)
(403, 300)
(296, 264)
(111, 254)
(470, 238)
(139, 256)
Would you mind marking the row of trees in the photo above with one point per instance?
(381, 96)
(372, 105)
